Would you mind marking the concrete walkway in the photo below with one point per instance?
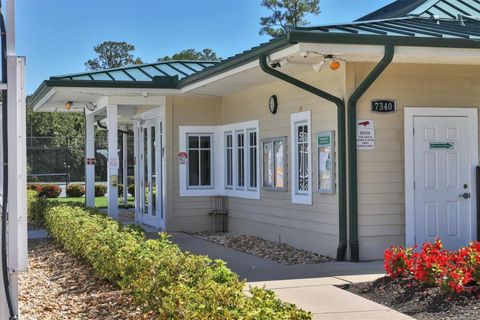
(311, 287)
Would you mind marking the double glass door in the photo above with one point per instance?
(150, 173)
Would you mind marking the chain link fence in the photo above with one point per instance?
(61, 160)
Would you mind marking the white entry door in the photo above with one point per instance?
(150, 172)
(443, 180)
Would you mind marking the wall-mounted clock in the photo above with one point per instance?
(273, 104)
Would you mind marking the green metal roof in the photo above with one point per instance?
(461, 32)
(142, 72)
(408, 27)
(426, 8)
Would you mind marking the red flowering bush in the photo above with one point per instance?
(50, 191)
(34, 187)
(435, 266)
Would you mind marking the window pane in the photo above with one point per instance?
(240, 160)
(193, 141)
(154, 173)
(267, 164)
(253, 159)
(193, 168)
(205, 142)
(302, 158)
(146, 186)
(229, 156)
(205, 169)
(279, 165)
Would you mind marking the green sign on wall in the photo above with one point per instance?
(442, 145)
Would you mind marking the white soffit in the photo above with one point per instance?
(421, 55)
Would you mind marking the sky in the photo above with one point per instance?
(58, 36)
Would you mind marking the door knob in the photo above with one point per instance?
(465, 195)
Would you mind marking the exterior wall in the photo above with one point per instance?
(381, 172)
(274, 217)
(186, 213)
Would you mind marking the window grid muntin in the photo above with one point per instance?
(302, 136)
(240, 157)
(229, 160)
(252, 159)
(199, 148)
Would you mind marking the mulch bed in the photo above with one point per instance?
(60, 286)
(419, 301)
(274, 251)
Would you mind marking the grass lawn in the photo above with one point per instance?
(100, 202)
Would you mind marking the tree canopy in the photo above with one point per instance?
(112, 54)
(286, 15)
(191, 54)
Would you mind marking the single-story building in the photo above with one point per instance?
(339, 139)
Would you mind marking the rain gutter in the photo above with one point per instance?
(352, 147)
(342, 180)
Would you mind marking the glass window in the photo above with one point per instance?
(229, 160)
(274, 163)
(240, 159)
(252, 161)
(200, 160)
(302, 150)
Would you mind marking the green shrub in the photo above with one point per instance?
(75, 191)
(130, 180)
(50, 191)
(100, 190)
(120, 190)
(131, 190)
(160, 277)
(36, 208)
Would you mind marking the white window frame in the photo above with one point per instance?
(185, 189)
(212, 175)
(300, 197)
(219, 156)
(242, 191)
(226, 148)
(272, 141)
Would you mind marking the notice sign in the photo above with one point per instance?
(365, 134)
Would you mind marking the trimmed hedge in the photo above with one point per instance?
(162, 278)
(131, 190)
(75, 191)
(35, 208)
(50, 191)
(100, 190)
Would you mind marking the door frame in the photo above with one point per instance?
(409, 114)
(156, 115)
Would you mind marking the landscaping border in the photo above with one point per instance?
(159, 276)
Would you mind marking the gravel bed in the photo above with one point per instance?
(274, 251)
(60, 286)
(419, 301)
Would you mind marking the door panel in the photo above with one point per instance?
(442, 177)
(151, 191)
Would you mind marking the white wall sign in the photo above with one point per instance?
(365, 134)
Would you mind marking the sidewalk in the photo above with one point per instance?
(310, 286)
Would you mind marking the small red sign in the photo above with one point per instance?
(90, 161)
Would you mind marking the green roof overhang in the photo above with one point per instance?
(293, 37)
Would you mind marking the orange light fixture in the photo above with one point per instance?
(334, 65)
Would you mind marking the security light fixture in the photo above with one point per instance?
(280, 63)
(304, 54)
(91, 106)
(334, 64)
(319, 66)
(68, 105)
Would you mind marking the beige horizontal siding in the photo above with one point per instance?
(187, 213)
(274, 216)
(381, 172)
